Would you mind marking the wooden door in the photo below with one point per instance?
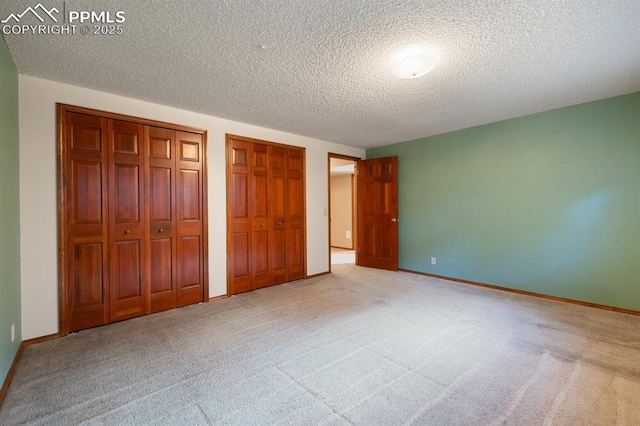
(132, 217)
(189, 217)
(295, 214)
(377, 213)
(239, 236)
(260, 227)
(250, 235)
(265, 214)
(86, 217)
(278, 181)
(128, 283)
(161, 213)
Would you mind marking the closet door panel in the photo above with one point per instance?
(188, 191)
(87, 255)
(277, 178)
(190, 267)
(88, 278)
(260, 226)
(239, 257)
(161, 267)
(127, 231)
(161, 214)
(295, 214)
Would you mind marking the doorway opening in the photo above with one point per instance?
(342, 209)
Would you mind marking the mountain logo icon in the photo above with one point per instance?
(34, 11)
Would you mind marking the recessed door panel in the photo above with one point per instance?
(88, 279)
(161, 265)
(189, 151)
(240, 199)
(126, 142)
(190, 261)
(87, 197)
(190, 195)
(86, 136)
(126, 258)
(239, 157)
(260, 257)
(160, 194)
(127, 188)
(160, 143)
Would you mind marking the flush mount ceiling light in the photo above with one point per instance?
(414, 62)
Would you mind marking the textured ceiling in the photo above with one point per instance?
(321, 68)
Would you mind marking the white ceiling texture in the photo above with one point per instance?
(321, 68)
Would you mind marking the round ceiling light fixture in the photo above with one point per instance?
(414, 62)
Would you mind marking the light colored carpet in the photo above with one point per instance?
(360, 346)
(341, 256)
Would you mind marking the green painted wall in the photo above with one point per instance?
(9, 211)
(548, 203)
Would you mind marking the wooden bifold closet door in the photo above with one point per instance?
(131, 218)
(265, 212)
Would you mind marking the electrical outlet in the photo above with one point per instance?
(433, 260)
(348, 235)
(13, 332)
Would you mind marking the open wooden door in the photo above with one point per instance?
(377, 213)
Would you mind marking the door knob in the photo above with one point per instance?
(394, 220)
(127, 232)
(262, 224)
(161, 230)
(279, 223)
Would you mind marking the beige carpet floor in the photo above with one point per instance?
(361, 347)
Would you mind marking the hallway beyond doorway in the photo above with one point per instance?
(342, 256)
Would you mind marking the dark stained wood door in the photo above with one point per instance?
(259, 206)
(377, 213)
(295, 214)
(265, 214)
(86, 200)
(128, 284)
(189, 217)
(132, 217)
(161, 212)
(278, 181)
(239, 218)
(249, 194)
